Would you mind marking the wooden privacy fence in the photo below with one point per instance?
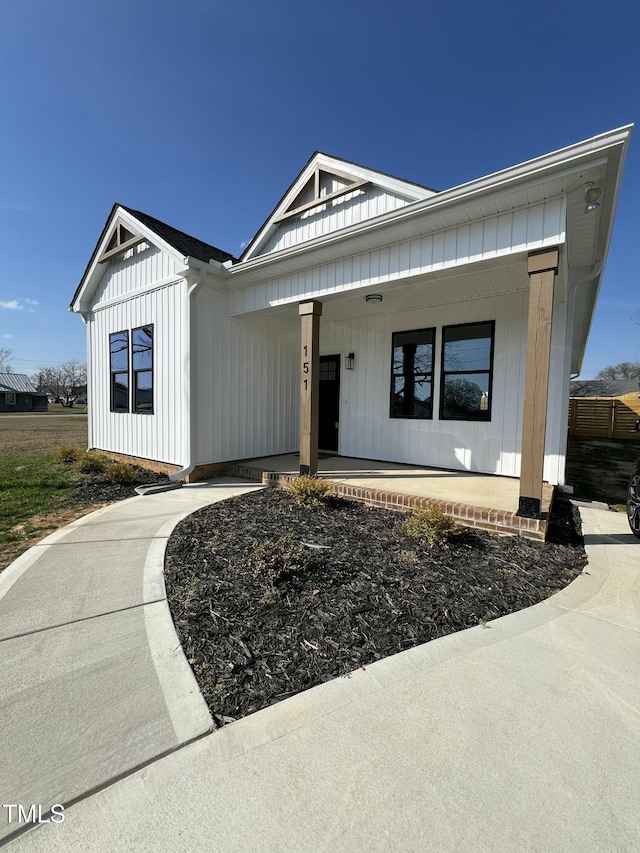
(604, 416)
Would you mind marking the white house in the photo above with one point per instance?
(433, 328)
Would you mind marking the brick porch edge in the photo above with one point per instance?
(494, 520)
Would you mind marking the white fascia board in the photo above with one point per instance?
(556, 164)
(592, 291)
(81, 303)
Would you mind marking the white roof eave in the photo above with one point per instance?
(499, 184)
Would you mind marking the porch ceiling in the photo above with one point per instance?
(470, 282)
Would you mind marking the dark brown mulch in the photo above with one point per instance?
(98, 488)
(256, 630)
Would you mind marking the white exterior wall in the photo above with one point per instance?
(522, 230)
(139, 266)
(246, 396)
(366, 430)
(337, 213)
(161, 435)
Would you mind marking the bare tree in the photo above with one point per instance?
(624, 370)
(65, 381)
(5, 364)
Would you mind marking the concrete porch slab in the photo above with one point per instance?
(476, 500)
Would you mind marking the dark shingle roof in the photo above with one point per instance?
(16, 382)
(603, 387)
(185, 243)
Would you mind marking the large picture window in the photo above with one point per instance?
(412, 374)
(467, 372)
(119, 364)
(142, 350)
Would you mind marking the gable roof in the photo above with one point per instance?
(354, 177)
(604, 387)
(184, 243)
(19, 382)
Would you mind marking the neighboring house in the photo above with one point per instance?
(432, 328)
(19, 394)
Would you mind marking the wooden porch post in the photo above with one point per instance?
(310, 313)
(542, 269)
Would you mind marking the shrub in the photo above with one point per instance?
(429, 525)
(92, 463)
(309, 491)
(123, 474)
(278, 560)
(67, 453)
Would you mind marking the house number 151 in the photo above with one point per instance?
(305, 367)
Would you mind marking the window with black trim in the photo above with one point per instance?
(119, 366)
(142, 357)
(467, 372)
(412, 374)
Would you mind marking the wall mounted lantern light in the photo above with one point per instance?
(350, 361)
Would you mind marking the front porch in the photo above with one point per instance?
(476, 500)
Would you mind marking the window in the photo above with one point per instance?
(119, 364)
(412, 374)
(467, 372)
(142, 348)
(10, 398)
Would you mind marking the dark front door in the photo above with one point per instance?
(329, 408)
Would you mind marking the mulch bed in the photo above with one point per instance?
(98, 488)
(270, 598)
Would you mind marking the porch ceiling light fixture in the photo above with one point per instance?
(373, 297)
(350, 361)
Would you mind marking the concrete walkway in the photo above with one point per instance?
(93, 679)
(523, 735)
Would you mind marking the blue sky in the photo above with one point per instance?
(201, 114)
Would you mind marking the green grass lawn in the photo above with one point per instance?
(36, 494)
(31, 487)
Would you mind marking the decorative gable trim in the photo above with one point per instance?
(122, 237)
(315, 184)
(305, 193)
(86, 290)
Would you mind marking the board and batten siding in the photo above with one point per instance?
(160, 436)
(358, 206)
(246, 396)
(367, 430)
(135, 269)
(522, 230)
